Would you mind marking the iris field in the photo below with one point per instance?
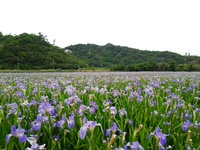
(102, 111)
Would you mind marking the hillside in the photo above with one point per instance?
(110, 55)
(30, 51)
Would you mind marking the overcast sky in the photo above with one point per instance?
(171, 25)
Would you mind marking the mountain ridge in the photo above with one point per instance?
(31, 51)
(109, 55)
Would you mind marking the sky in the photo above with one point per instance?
(161, 25)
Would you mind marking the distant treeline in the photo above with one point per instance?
(31, 51)
(152, 66)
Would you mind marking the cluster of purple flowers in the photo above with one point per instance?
(162, 138)
(63, 109)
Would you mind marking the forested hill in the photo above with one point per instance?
(119, 57)
(30, 51)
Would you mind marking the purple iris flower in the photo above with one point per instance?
(159, 135)
(94, 105)
(74, 99)
(96, 89)
(19, 133)
(56, 137)
(130, 122)
(116, 93)
(137, 83)
(88, 125)
(135, 146)
(102, 91)
(45, 107)
(152, 103)
(21, 86)
(42, 118)
(71, 121)
(173, 96)
(155, 112)
(196, 125)
(139, 98)
(60, 123)
(197, 110)
(35, 90)
(92, 110)
(36, 124)
(34, 145)
(194, 85)
(113, 128)
(44, 98)
(19, 94)
(168, 113)
(179, 105)
(70, 90)
(113, 111)
(187, 115)
(12, 108)
(127, 88)
(122, 112)
(32, 103)
(149, 91)
(137, 95)
(107, 103)
(133, 94)
(186, 125)
(82, 108)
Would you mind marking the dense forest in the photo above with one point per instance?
(120, 58)
(31, 51)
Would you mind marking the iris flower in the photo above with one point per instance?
(135, 145)
(113, 111)
(82, 108)
(112, 128)
(71, 121)
(186, 125)
(122, 112)
(45, 107)
(159, 135)
(116, 93)
(12, 107)
(19, 133)
(60, 123)
(36, 124)
(88, 125)
(34, 145)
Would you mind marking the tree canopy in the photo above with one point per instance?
(31, 51)
(121, 58)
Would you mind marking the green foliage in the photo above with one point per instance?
(120, 58)
(30, 51)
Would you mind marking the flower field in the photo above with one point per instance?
(110, 110)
